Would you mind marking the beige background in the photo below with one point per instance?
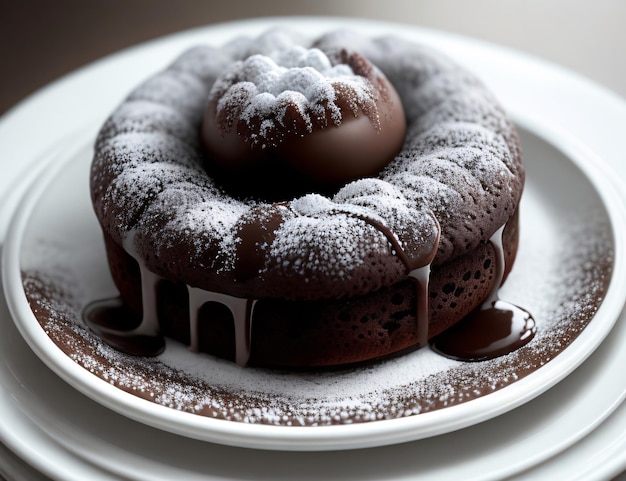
(42, 40)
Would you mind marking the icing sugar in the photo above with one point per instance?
(460, 167)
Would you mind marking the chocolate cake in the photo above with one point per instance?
(227, 228)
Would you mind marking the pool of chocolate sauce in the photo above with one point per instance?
(488, 332)
(109, 319)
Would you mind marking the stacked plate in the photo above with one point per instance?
(69, 416)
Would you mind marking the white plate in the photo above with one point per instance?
(55, 243)
(507, 454)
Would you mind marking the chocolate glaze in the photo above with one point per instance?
(496, 328)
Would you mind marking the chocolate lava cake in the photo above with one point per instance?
(290, 202)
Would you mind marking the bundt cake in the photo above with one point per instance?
(296, 203)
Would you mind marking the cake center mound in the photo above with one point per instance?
(299, 120)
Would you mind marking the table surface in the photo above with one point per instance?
(41, 41)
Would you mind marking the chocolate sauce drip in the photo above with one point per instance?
(486, 333)
(256, 228)
(494, 329)
(421, 277)
(110, 320)
(418, 269)
(117, 325)
(241, 310)
(423, 258)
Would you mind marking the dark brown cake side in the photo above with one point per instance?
(322, 333)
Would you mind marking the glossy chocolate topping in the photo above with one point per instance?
(330, 118)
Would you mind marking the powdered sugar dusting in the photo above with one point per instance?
(460, 167)
(263, 91)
